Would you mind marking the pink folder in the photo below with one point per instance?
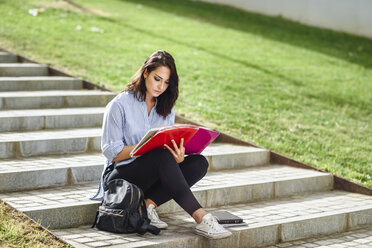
(200, 140)
(164, 136)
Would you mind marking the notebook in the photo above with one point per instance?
(196, 139)
(225, 217)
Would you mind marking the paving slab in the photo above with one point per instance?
(50, 171)
(57, 141)
(360, 238)
(40, 83)
(36, 119)
(229, 156)
(7, 58)
(22, 69)
(266, 221)
(54, 99)
(48, 134)
(43, 142)
(244, 185)
(46, 171)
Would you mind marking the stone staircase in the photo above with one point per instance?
(51, 163)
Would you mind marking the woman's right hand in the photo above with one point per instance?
(178, 152)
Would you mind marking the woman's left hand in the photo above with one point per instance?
(178, 152)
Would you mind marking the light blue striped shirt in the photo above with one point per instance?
(125, 122)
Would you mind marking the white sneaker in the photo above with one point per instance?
(210, 228)
(153, 216)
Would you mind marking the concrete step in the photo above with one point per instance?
(360, 238)
(36, 119)
(39, 83)
(50, 171)
(42, 171)
(7, 58)
(269, 223)
(44, 142)
(54, 99)
(70, 206)
(223, 156)
(22, 69)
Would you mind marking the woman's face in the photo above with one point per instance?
(157, 81)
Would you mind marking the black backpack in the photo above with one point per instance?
(123, 210)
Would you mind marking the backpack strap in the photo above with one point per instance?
(143, 228)
(95, 220)
(146, 224)
(146, 227)
(153, 229)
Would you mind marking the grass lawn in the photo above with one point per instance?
(300, 91)
(16, 231)
(303, 92)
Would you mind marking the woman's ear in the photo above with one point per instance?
(145, 73)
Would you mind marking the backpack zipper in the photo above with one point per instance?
(138, 204)
(101, 211)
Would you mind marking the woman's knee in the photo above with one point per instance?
(201, 163)
(204, 163)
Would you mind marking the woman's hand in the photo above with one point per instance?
(178, 152)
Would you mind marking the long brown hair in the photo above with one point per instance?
(167, 99)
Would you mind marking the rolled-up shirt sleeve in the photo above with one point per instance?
(112, 131)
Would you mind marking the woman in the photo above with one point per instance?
(163, 174)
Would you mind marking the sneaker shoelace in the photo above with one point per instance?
(153, 215)
(214, 225)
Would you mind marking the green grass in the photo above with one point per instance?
(16, 230)
(300, 91)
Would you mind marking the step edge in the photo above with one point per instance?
(87, 201)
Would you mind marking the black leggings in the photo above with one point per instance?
(161, 178)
